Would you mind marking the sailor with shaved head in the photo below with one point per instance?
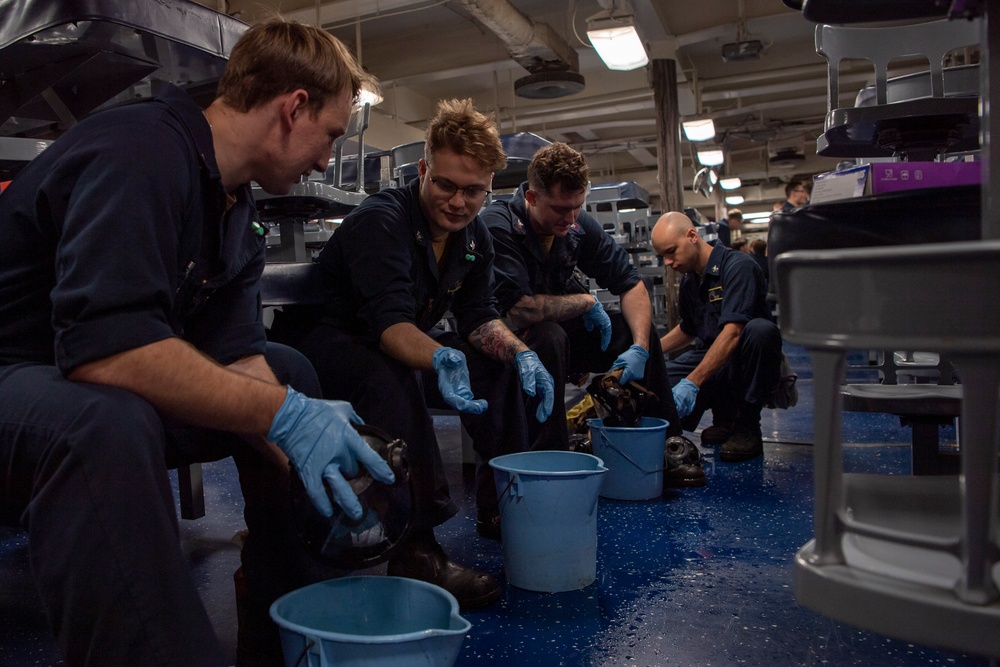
(732, 366)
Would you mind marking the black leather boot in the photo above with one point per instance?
(746, 442)
(723, 421)
(421, 557)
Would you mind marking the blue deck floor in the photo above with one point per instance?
(696, 577)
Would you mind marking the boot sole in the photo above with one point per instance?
(735, 457)
(685, 483)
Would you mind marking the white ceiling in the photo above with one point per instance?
(425, 50)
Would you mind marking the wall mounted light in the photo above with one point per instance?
(704, 181)
(616, 41)
(730, 183)
(711, 157)
(698, 129)
(734, 200)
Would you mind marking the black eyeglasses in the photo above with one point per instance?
(470, 192)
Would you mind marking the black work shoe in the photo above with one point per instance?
(682, 463)
(742, 447)
(488, 526)
(423, 558)
(716, 435)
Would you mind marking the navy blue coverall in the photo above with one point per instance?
(379, 270)
(117, 236)
(524, 268)
(731, 289)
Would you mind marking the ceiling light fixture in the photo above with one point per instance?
(730, 183)
(735, 200)
(698, 129)
(616, 41)
(711, 157)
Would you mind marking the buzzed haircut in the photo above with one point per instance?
(458, 127)
(558, 164)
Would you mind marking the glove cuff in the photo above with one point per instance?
(439, 356)
(641, 351)
(286, 416)
(524, 353)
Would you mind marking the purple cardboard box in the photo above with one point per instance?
(892, 176)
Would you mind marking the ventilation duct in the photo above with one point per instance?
(786, 154)
(552, 64)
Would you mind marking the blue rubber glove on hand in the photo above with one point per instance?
(596, 316)
(319, 440)
(633, 361)
(534, 379)
(685, 392)
(454, 383)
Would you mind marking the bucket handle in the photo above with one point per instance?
(626, 456)
(511, 482)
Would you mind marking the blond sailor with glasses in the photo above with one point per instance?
(395, 266)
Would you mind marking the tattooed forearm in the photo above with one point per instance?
(543, 307)
(496, 340)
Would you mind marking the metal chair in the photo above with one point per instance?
(916, 558)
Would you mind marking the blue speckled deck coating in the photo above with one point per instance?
(696, 577)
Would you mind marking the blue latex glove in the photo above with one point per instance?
(685, 392)
(453, 381)
(319, 440)
(633, 360)
(535, 378)
(596, 316)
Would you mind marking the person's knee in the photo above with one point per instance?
(548, 336)
(117, 428)
(291, 367)
(761, 333)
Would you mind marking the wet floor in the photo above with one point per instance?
(695, 577)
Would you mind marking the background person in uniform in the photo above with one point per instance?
(758, 250)
(131, 339)
(542, 237)
(734, 220)
(397, 263)
(733, 366)
(796, 194)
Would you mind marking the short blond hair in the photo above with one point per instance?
(458, 127)
(278, 56)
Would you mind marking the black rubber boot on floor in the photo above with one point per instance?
(682, 463)
(421, 557)
(746, 442)
(488, 525)
(721, 429)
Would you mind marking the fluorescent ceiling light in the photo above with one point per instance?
(616, 41)
(711, 157)
(734, 200)
(730, 183)
(756, 216)
(626, 210)
(701, 129)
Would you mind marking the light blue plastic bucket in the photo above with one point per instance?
(548, 518)
(634, 456)
(369, 621)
